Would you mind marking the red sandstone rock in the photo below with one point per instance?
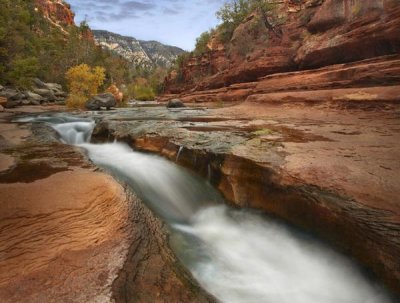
(315, 34)
(57, 11)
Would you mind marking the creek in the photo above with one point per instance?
(238, 256)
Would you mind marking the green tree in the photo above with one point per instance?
(202, 43)
(233, 13)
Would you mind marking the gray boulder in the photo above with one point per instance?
(49, 90)
(54, 86)
(60, 94)
(13, 103)
(39, 83)
(33, 97)
(11, 94)
(105, 100)
(47, 94)
(1, 87)
(1, 108)
(175, 103)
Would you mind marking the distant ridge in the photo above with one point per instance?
(145, 54)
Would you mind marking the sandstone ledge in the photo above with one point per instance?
(70, 233)
(333, 171)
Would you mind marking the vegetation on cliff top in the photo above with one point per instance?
(231, 15)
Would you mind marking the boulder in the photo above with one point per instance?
(106, 100)
(175, 103)
(11, 94)
(35, 102)
(1, 87)
(39, 83)
(59, 93)
(33, 97)
(1, 108)
(54, 86)
(13, 103)
(47, 94)
(3, 101)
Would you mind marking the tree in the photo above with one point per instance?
(232, 14)
(202, 43)
(83, 82)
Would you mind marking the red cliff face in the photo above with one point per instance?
(308, 34)
(56, 11)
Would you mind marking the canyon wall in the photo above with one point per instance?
(305, 35)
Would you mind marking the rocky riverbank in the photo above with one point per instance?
(331, 168)
(71, 233)
(41, 94)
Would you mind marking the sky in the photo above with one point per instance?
(172, 22)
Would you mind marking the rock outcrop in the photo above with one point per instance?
(43, 93)
(71, 233)
(356, 36)
(56, 11)
(330, 167)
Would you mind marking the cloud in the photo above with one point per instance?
(175, 22)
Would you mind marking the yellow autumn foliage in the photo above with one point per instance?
(83, 82)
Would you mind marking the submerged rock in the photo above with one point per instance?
(106, 100)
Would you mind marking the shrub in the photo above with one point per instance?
(143, 93)
(84, 80)
(140, 90)
(23, 71)
(202, 43)
(76, 101)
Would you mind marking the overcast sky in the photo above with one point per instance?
(173, 22)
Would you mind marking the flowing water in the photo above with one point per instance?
(238, 256)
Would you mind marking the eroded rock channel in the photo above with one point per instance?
(235, 255)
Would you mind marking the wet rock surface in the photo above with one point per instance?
(329, 168)
(71, 233)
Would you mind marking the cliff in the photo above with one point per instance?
(56, 11)
(330, 40)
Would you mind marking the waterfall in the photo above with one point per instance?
(238, 256)
(75, 132)
(179, 153)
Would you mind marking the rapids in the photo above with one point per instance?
(238, 256)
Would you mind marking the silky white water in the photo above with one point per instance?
(237, 256)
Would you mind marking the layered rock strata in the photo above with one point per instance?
(71, 233)
(331, 170)
(348, 40)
